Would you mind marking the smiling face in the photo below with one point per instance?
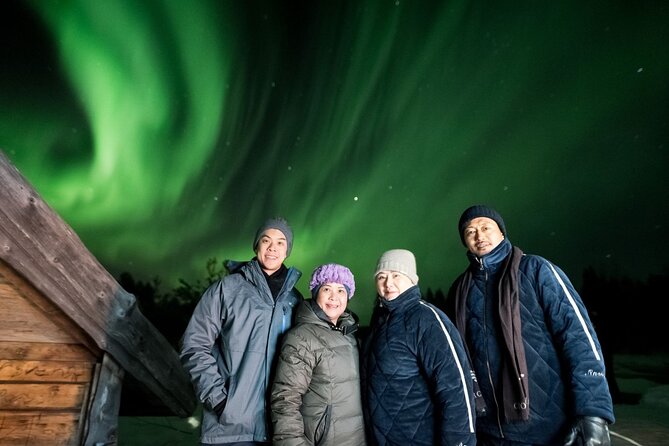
(332, 298)
(390, 284)
(482, 235)
(271, 251)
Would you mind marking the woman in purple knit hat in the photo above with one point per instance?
(316, 393)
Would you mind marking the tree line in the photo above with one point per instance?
(625, 312)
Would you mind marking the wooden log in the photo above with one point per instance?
(34, 351)
(37, 244)
(20, 320)
(41, 396)
(101, 427)
(38, 428)
(46, 371)
(15, 286)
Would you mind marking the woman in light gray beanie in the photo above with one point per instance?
(414, 358)
(400, 260)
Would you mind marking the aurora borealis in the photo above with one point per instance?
(165, 132)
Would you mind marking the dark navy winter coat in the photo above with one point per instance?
(416, 384)
(564, 359)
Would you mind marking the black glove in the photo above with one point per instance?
(588, 431)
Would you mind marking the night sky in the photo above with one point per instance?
(165, 132)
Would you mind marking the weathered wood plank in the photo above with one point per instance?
(20, 320)
(101, 425)
(35, 351)
(38, 428)
(41, 396)
(9, 278)
(45, 371)
(37, 244)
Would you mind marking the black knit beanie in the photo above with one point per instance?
(479, 210)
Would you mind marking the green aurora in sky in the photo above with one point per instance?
(165, 132)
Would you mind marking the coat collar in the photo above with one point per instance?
(308, 312)
(493, 259)
(404, 300)
(254, 274)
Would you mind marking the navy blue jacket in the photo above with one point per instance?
(565, 365)
(416, 382)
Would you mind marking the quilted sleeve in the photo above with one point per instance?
(445, 364)
(575, 338)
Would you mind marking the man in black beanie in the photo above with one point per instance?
(230, 345)
(539, 364)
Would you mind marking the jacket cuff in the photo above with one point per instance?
(216, 399)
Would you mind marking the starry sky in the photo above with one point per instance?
(165, 132)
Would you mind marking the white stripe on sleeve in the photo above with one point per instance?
(578, 313)
(457, 361)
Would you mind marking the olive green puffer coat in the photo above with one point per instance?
(316, 393)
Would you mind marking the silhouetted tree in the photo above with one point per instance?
(171, 311)
(626, 311)
(429, 296)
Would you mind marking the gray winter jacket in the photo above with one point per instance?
(229, 348)
(316, 394)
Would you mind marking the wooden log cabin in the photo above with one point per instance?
(68, 332)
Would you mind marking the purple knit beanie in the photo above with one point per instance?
(332, 273)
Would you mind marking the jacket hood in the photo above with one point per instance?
(234, 266)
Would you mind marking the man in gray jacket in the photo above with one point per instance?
(229, 345)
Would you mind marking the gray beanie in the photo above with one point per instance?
(400, 260)
(275, 223)
(479, 210)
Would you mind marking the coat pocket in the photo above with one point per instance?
(323, 426)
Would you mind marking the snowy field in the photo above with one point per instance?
(641, 378)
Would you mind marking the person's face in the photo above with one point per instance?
(332, 298)
(272, 249)
(390, 284)
(482, 235)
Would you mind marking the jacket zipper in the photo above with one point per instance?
(487, 359)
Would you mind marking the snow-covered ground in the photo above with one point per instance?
(642, 378)
(645, 378)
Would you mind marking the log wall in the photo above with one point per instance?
(44, 250)
(46, 370)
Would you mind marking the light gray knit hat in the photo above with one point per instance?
(400, 260)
